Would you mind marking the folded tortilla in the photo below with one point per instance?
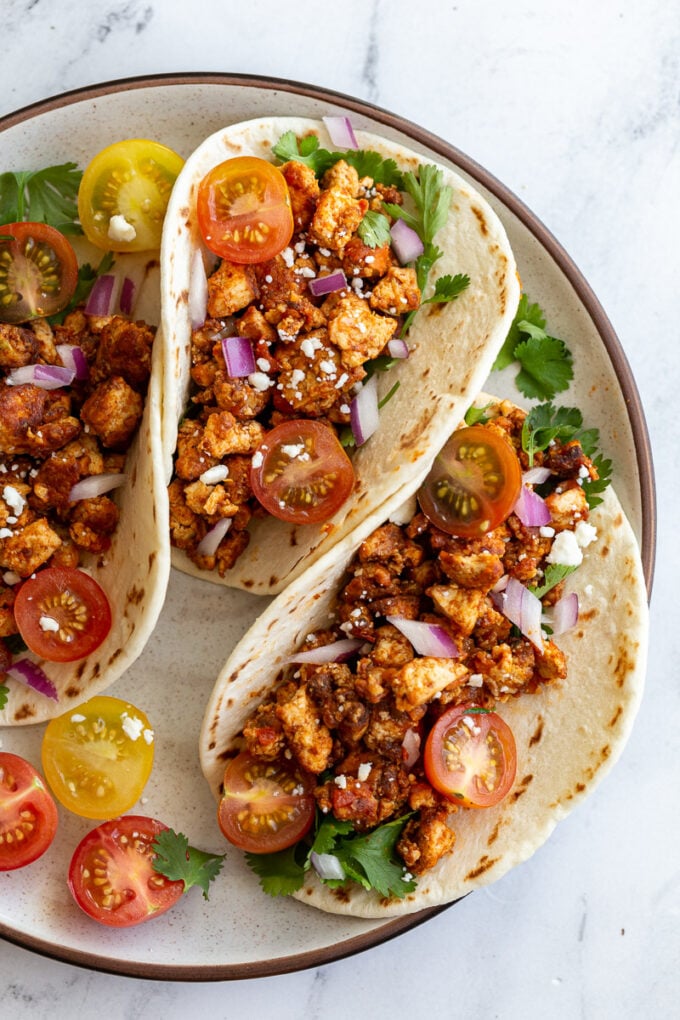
(568, 735)
(454, 347)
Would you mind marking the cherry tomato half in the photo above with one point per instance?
(111, 875)
(124, 194)
(98, 757)
(28, 814)
(265, 806)
(473, 484)
(300, 472)
(62, 614)
(470, 757)
(38, 271)
(244, 211)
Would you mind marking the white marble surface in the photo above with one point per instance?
(575, 108)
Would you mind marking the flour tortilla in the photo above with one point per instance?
(568, 736)
(134, 572)
(454, 348)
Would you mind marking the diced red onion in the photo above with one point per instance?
(406, 244)
(210, 542)
(96, 485)
(364, 415)
(531, 509)
(198, 290)
(398, 348)
(128, 292)
(74, 358)
(238, 356)
(47, 377)
(427, 638)
(341, 132)
(26, 672)
(328, 284)
(410, 747)
(336, 651)
(565, 613)
(103, 295)
(536, 475)
(501, 584)
(327, 866)
(522, 608)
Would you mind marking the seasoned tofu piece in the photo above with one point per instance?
(551, 663)
(426, 839)
(397, 292)
(308, 737)
(567, 507)
(26, 550)
(224, 435)
(113, 411)
(420, 680)
(338, 212)
(124, 350)
(18, 346)
(230, 288)
(209, 500)
(358, 259)
(357, 331)
(303, 189)
(460, 605)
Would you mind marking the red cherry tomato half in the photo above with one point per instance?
(470, 756)
(112, 878)
(265, 806)
(62, 614)
(38, 271)
(300, 472)
(244, 211)
(473, 484)
(28, 814)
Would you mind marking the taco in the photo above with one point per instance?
(374, 697)
(82, 496)
(304, 336)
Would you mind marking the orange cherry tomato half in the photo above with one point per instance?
(62, 614)
(38, 271)
(28, 814)
(111, 875)
(473, 484)
(300, 472)
(470, 756)
(244, 211)
(265, 806)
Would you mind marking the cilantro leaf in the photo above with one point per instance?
(526, 315)
(431, 198)
(329, 829)
(4, 692)
(447, 288)
(370, 860)
(367, 163)
(545, 423)
(48, 196)
(280, 873)
(180, 862)
(546, 367)
(593, 487)
(374, 229)
(554, 574)
(477, 415)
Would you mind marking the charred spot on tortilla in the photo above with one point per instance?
(485, 864)
(521, 788)
(115, 655)
(493, 835)
(481, 219)
(604, 551)
(537, 734)
(26, 711)
(135, 595)
(617, 715)
(182, 298)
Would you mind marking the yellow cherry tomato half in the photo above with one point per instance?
(98, 757)
(124, 194)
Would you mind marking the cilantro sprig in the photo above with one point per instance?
(366, 858)
(180, 862)
(47, 196)
(554, 574)
(4, 694)
(366, 162)
(545, 362)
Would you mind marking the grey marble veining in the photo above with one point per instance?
(575, 108)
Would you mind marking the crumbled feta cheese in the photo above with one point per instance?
(262, 364)
(565, 550)
(327, 366)
(260, 381)
(309, 345)
(546, 531)
(341, 782)
(292, 450)
(77, 718)
(14, 500)
(214, 474)
(475, 680)
(296, 376)
(257, 459)
(5, 533)
(288, 256)
(585, 533)
(120, 229)
(364, 771)
(148, 736)
(132, 726)
(49, 624)
(10, 577)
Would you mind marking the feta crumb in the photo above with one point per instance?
(148, 736)
(77, 717)
(585, 533)
(262, 364)
(475, 680)
(565, 550)
(48, 623)
(292, 450)
(546, 531)
(309, 345)
(260, 381)
(132, 726)
(13, 498)
(257, 459)
(364, 771)
(10, 577)
(288, 256)
(296, 377)
(341, 782)
(214, 474)
(327, 366)
(5, 533)
(120, 229)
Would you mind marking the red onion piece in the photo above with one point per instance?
(341, 132)
(410, 747)
(398, 348)
(328, 284)
(127, 296)
(102, 297)
(536, 475)
(364, 415)
(47, 377)
(406, 244)
(336, 651)
(74, 359)
(565, 613)
(427, 638)
(198, 290)
(96, 485)
(522, 608)
(26, 672)
(238, 356)
(210, 542)
(327, 866)
(531, 509)
(501, 584)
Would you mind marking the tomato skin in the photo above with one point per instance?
(479, 768)
(111, 875)
(473, 484)
(265, 806)
(26, 810)
(94, 767)
(132, 178)
(302, 489)
(71, 598)
(38, 271)
(244, 210)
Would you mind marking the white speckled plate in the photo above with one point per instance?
(240, 932)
